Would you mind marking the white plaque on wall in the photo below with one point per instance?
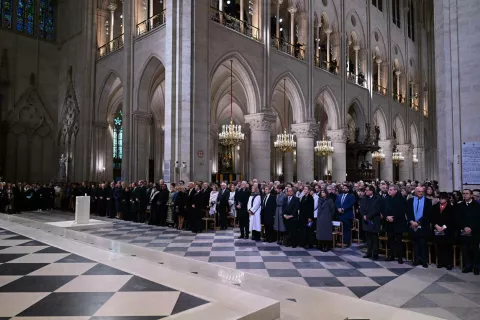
(471, 162)
(166, 171)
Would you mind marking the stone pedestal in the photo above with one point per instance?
(82, 210)
(339, 143)
(386, 167)
(260, 153)
(305, 134)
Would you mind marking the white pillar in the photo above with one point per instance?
(349, 43)
(220, 8)
(141, 125)
(356, 48)
(328, 32)
(419, 168)
(405, 168)
(277, 30)
(242, 26)
(150, 14)
(305, 134)
(288, 174)
(112, 8)
(339, 160)
(379, 69)
(292, 11)
(260, 153)
(317, 43)
(386, 167)
(397, 73)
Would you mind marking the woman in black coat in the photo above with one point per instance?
(154, 204)
(305, 223)
(125, 202)
(326, 212)
(443, 224)
(179, 205)
(196, 219)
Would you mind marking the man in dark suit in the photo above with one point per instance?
(100, 198)
(344, 205)
(223, 206)
(418, 216)
(395, 222)
(190, 207)
(269, 206)
(141, 192)
(469, 223)
(241, 201)
(290, 215)
(370, 206)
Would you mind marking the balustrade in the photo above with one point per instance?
(151, 23)
(233, 23)
(111, 46)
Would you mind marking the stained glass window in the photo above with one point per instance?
(6, 13)
(47, 19)
(117, 136)
(26, 16)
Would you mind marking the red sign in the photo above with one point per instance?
(200, 153)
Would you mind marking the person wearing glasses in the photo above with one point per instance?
(469, 223)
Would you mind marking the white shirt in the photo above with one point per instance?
(315, 205)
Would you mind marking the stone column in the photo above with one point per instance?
(302, 31)
(317, 43)
(213, 148)
(141, 128)
(405, 168)
(349, 43)
(306, 133)
(386, 167)
(150, 9)
(242, 26)
(277, 30)
(397, 73)
(379, 73)
(288, 174)
(356, 48)
(419, 168)
(111, 8)
(328, 32)
(292, 11)
(220, 8)
(260, 153)
(103, 164)
(339, 157)
(386, 72)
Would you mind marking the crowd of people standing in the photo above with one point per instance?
(292, 214)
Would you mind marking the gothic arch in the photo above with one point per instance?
(399, 57)
(380, 44)
(360, 114)
(414, 135)
(112, 81)
(152, 70)
(330, 106)
(399, 126)
(243, 73)
(358, 27)
(294, 95)
(381, 122)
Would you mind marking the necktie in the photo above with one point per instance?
(343, 197)
(289, 198)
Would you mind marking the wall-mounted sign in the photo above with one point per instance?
(471, 162)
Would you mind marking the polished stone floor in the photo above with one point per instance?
(449, 295)
(38, 280)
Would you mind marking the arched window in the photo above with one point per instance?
(6, 13)
(26, 16)
(411, 20)
(46, 17)
(117, 145)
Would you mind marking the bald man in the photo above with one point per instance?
(418, 216)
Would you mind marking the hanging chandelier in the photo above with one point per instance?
(415, 160)
(397, 158)
(324, 147)
(378, 156)
(231, 134)
(285, 142)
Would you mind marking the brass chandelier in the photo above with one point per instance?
(397, 158)
(324, 147)
(415, 160)
(231, 134)
(378, 156)
(285, 142)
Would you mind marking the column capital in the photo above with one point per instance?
(338, 136)
(378, 61)
(302, 15)
(386, 145)
(103, 13)
(305, 130)
(356, 48)
(143, 117)
(398, 73)
(328, 31)
(292, 10)
(260, 121)
(112, 6)
(277, 2)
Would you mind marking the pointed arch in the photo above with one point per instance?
(294, 95)
(414, 135)
(330, 106)
(243, 72)
(358, 27)
(381, 122)
(360, 113)
(152, 70)
(112, 81)
(399, 127)
(399, 57)
(380, 43)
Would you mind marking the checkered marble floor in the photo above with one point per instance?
(38, 280)
(342, 271)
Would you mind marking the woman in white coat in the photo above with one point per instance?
(254, 210)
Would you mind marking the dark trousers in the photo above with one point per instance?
(243, 222)
(269, 233)
(222, 217)
(471, 254)
(255, 235)
(395, 245)
(110, 211)
(162, 215)
(420, 248)
(292, 231)
(444, 253)
(372, 243)
(347, 229)
(141, 214)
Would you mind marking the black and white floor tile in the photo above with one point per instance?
(38, 280)
(342, 271)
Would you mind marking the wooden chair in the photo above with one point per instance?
(408, 248)
(455, 247)
(337, 233)
(356, 228)
(384, 241)
(209, 219)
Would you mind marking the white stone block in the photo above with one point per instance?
(82, 210)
